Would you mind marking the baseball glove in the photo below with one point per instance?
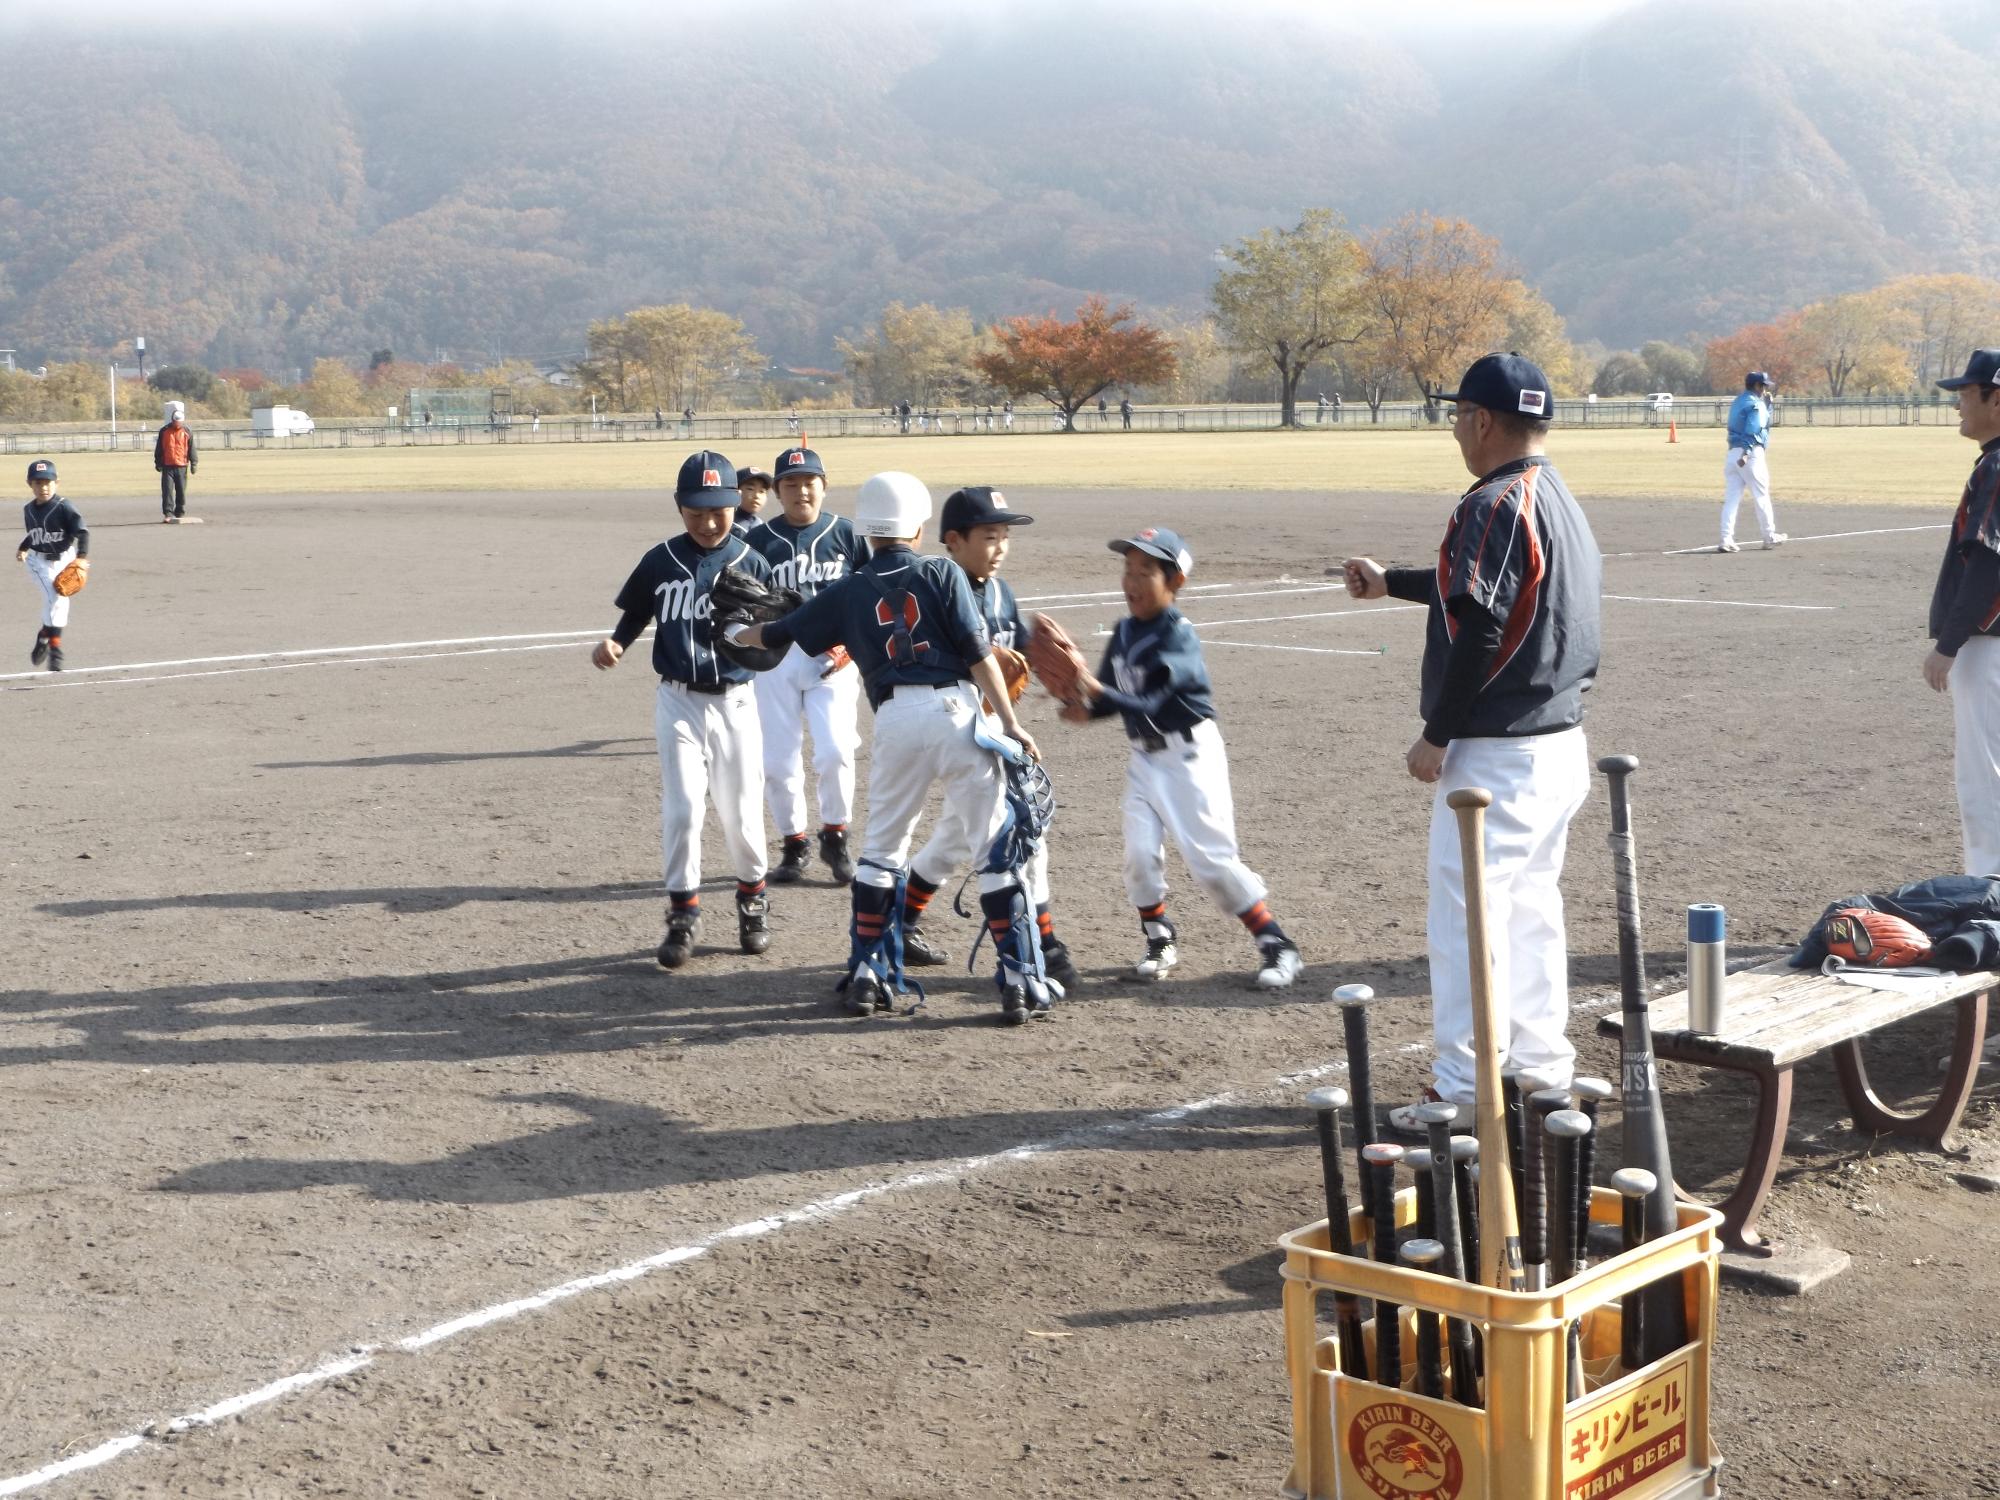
(1014, 668)
(1056, 659)
(72, 578)
(1867, 939)
(740, 598)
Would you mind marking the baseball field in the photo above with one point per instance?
(358, 1146)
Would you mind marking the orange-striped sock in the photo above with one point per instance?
(1261, 923)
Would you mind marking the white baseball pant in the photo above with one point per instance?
(1538, 782)
(790, 697)
(923, 735)
(1756, 473)
(55, 607)
(931, 863)
(1975, 708)
(1183, 790)
(710, 750)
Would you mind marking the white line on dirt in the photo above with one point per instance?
(1309, 650)
(361, 1356)
(1818, 536)
(210, 661)
(48, 680)
(1725, 603)
(1312, 588)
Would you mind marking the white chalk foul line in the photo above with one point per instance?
(211, 661)
(47, 681)
(361, 1356)
(1817, 536)
(1308, 650)
(1722, 603)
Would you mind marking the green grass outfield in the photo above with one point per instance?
(1923, 466)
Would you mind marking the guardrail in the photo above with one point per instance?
(778, 428)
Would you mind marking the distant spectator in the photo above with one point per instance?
(1324, 406)
(1125, 411)
(1007, 416)
(659, 418)
(1336, 406)
(175, 458)
(1103, 411)
(903, 411)
(792, 421)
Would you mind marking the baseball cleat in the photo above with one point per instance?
(55, 658)
(41, 652)
(1279, 964)
(753, 932)
(1403, 1119)
(792, 862)
(1039, 1003)
(1013, 1004)
(833, 850)
(1056, 963)
(1776, 539)
(865, 995)
(1728, 547)
(1161, 955)
(682, 924)
(918, 950)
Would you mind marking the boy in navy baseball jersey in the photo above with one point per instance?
(55, 537)
(1177, 778)
(921, 649)
(808, 549)
(704, 715)
(976, 527)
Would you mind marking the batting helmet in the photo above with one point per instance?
(892, 504)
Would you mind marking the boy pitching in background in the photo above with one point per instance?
(704, 716)
(976, 527)
(55, 537)
(1177, 779)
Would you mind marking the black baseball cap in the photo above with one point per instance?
(1157, 541)
(751, 474)
(978, 505)
(800, 461)
(1506, 382)
(707, 482)
(1983, 368)
(41, 468)
(1758, 377)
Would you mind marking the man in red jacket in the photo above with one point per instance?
(175, 458)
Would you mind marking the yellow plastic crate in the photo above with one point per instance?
(1634, 1435)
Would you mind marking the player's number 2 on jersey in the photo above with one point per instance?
(901, 646)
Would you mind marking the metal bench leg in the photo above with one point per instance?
(1741, 1208)
(1937, 1123)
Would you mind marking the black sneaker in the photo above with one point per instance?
(752, 931)
(1057, 965)
(865, 996)
(41, 652)
(919, 952)
(792, 862)
(682, 924)
(55, 658)
(833, 850)
(1013, 1004)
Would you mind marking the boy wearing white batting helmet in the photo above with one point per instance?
(704, 714)
(914, 629)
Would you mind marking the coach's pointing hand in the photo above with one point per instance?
(1366, 578)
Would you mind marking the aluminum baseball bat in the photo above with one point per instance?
(1326, 1105)
(1425, 1255)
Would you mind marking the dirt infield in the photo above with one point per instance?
(332, 1018)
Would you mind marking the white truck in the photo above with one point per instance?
(279, 421)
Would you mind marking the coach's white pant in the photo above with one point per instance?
(1183, 790)
(710, 748)
(1538, 782)
(923, 735)
(1757, 474)
(55, 607)
(1975, 705)
(790, 697)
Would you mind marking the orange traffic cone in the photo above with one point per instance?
(1673, 433)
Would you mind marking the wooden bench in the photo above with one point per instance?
(1775, 1017)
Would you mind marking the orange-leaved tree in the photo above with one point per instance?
(1779, 348)
(1440, 294)
(1069, 363)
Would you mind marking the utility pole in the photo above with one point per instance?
(113, 368)
(139, 344)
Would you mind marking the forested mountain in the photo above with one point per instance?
(490, 182)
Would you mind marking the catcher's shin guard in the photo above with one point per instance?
(876, 934)
(1010, 921)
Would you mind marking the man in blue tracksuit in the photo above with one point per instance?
(1749, 438)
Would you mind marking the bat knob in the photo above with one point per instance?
(1468, 796)
(1618, 765)
(1568, 1124)
(1465, 1148)
(1437, 1112)
(1591, 1088)
(1634, 1182)
(1354, 994)
(1423, 1252)
(1321, 1099)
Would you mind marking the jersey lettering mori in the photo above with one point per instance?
(904, 618)
(1966, 601)
(52, 528)
(674, 586)
(1154, 676)
(1518, 546)
(808, 558)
